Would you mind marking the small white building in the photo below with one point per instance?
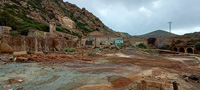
(98, 39)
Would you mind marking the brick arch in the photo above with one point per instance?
(182, 49)
(175, 49)
(190, 50)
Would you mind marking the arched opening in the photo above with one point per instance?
(189, 50)
(175, 49)
(182, 50)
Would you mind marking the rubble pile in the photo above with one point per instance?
(51, 58)
(192, 78)
(13, 82)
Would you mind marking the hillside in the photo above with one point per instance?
(23, 15)
(158, 34)
(192, 35)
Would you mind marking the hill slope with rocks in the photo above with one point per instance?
(23, 15)
(158, 34)
(192, 35)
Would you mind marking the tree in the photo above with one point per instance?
(197, 45)
(7, 18)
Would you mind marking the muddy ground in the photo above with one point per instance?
(101, 70)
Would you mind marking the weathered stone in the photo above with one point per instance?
(6, 86)
(22, 59)
(19, 88)
(67, 22)
(39, 53)
(12, 81)
(20, 54)
(35, 44)
(5, 30)
(24, 4)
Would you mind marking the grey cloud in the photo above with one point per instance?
(142, 16)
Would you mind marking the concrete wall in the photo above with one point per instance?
(106, 41)
(35, 44)
(37, 33)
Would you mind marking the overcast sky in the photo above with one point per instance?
(138, 17)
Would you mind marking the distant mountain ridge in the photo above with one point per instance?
(192, 35)
(158, 34)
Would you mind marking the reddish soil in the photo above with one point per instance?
(119, 82)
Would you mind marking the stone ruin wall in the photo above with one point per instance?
(158, 40)
(36, 44)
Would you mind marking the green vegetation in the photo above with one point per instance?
(158, 34)
(36, 4)
(193, 35)
(7, 18)
(197, 45)
(9, 6)
(107, 31)
(76, 34)
(80, 23)
(16, 16)
(20, 22)
(177, 42)
(83, 27)
(91, 53)
(64, 30)
(14, 33)
(192, 42)
(70, 50)
(153, 52)
(142, 46)
(16, 1)
(165, 47)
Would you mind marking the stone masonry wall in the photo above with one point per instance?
(36, 44)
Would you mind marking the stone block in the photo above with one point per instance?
(20, 54)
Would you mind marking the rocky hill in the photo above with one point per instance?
(158, 34)
(126, 35)
(23, 15)
(192, 35)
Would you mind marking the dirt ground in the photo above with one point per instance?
(102, 70)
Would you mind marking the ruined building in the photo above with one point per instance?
(99, 40)
(38, 41)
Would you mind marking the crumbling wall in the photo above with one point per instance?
(36, 44)
(135, 41)
(5, 30)
(99, 41)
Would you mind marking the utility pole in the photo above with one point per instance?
(170, 26)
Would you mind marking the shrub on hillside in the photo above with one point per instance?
(197, 45)
(165, 46)
(70, 49)
(142, 46)
(14, 33)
